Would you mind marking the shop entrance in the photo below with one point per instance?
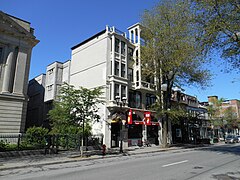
(135, 135)
(152, 134)
(115, 134)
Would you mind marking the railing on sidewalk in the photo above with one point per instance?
(51, 143)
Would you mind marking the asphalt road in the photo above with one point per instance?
(218, 162)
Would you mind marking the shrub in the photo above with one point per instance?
(3, 145)
(35, 136)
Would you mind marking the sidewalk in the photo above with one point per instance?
(70, 156)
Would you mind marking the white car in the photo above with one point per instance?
(238, 136)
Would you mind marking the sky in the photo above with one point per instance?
(62, 24)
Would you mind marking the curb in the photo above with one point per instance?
(73, 159)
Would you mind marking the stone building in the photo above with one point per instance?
(16, 42)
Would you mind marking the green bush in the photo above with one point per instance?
(35, 136)
(3, 145)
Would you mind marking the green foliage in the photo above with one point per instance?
(35, 136)
(170, 45)
(218, 28)
(3, 145)
(170, 53)
(222, 117)
(230, 117)
(75, 107)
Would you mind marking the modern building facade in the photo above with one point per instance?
(57, 73)
(43, 90)
(16, 42)
(112, 59)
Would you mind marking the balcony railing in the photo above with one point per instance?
(145, 85)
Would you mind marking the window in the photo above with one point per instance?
(135, 99)
(49, 88)
(137, 58)
(116, 90)
(123, 91)
(137, 74)
(130, 74)
(136, 32)
(117, 45)
(1, 55)
(50, 71)
(138, 99)
(116, 68)
(123, 48)
(111, 44)
(110, 92)
(123, 71)
(150, 100)
(130, 51)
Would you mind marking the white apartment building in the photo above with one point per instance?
(111, 59)
(56, 74)
(16, 42)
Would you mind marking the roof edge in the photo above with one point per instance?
(89, 39)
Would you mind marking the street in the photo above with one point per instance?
(214, 162)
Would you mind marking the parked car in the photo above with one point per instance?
(231, 139)
(238, 136)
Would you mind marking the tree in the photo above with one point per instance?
(218, 24)
(74, 108)
(230, 116)
(222, 117)
(215, 113)
(170, 54)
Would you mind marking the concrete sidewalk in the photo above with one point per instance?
(69, 156)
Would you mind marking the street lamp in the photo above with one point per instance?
(121, 103)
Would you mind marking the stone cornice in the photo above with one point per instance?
(13, 96)
(9, 27)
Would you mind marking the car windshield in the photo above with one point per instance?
(229, 136)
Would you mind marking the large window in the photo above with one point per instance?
(135, 99)
(123, 70)
(137, 58)
(123, 92)
(130, 74)
(137, 74)
(116, 72)
(116, 90)
(123, 50)
(130, 51)
(150, 100)
(117, 45)
(1, 55)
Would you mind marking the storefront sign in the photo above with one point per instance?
(130, 121)
(147, 116)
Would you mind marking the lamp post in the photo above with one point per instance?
(121, 104)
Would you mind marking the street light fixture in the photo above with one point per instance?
(121, 104)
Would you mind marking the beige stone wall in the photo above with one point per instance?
(16, 43)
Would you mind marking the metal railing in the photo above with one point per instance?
(52, 142)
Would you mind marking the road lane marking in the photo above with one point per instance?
(180, 162)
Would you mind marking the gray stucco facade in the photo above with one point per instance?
(16, 43)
